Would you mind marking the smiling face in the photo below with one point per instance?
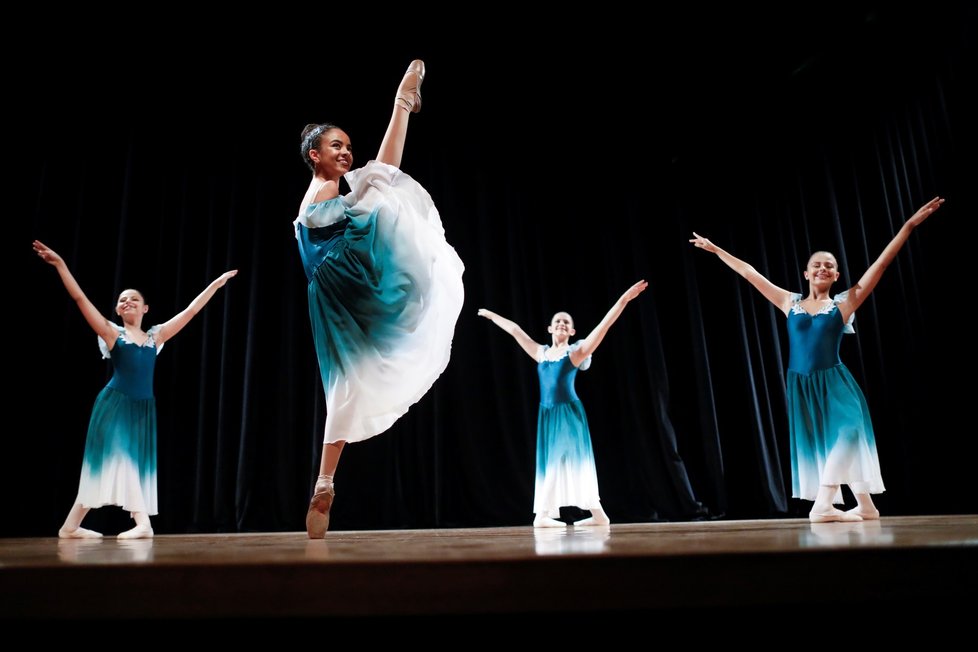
(334, 156)
(822, 270)
(131, 306)
(561, 327)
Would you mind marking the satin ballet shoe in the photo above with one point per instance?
(546, 521)
(409, 91)
(598, 517)
(864, 515)
(138, 532)
(592, 522)
(317, 518)
(834, 517)
(78, 533)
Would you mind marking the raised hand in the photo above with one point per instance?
(634, 291)
(703, 243)
(924, 212)
(46, 253)
(223, 278)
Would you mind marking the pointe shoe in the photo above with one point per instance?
(317, 518)
(837, 516)
(138, 532)
(78, 533)
(409, 91)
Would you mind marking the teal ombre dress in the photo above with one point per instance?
(832, 440)
(566, 474)
(385, 291)
(119, 467)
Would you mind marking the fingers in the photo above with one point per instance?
(44, 252)
(931, 206)
(635, 290)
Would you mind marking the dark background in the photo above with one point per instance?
(567, 163)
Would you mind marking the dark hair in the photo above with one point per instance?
(142, 295)
(820, 251)
(311, 136)
(565, 313)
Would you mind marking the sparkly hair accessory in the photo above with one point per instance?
(311, 137)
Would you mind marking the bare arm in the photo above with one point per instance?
(179, 320)
(102, 326)
(778, 296)
(591, 342)
(864, 287)
(525, 341)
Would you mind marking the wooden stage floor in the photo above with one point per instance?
(629, 568)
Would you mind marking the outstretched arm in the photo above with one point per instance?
(179, 320)
(778, 296)
(862, 289)
(525, 341)
(102, 326)
(591, 342)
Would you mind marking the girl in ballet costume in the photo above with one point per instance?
(832, 439)
(119, 466)
(384, 286)
(565, 470)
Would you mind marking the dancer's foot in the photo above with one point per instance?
(598, 517)
(141, 531)
(546, 521)
(832, 515)
(866, 514)
(317, 518)
(78, 533)
(409, 91)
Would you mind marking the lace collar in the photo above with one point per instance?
(797, 309)
(150, 340)
(585, 363)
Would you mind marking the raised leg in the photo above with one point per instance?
(406, 101)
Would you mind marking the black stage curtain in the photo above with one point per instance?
(561, 180)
